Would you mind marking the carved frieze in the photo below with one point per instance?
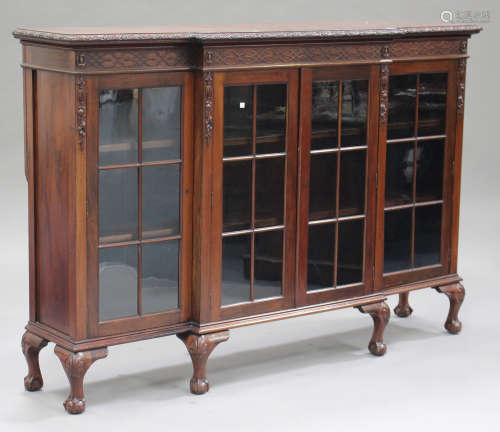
(290, 54)
(426, 48)
(133, 59)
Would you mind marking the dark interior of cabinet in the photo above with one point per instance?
(416, 138)
(254, 173)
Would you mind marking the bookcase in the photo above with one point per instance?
(189, 181)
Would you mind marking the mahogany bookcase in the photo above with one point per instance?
(191, 180)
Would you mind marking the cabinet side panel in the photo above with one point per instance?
(55, 195)
(29, 99)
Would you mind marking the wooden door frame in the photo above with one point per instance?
(182, 313)
(291, 78)
(413, 275)
(333, 73)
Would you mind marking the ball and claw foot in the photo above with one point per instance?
(199, 386)
(199, 348)
(403, 308)
(456, 294)
(32, 345)
(380, 314)
(75, 365)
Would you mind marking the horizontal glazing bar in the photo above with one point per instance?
(418, 138)
(418, 204)
(250, 157)
(336, 149)
(256, 230)
(144, 164)
(137, 242)
(339, 219)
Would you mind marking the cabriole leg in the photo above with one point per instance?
(380, 313)
(456, 294)
(199, 348)
(32, 345)
(403, 308)
(75, 365)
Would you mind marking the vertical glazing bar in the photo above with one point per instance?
(337, 193)
(139, 217)
(414, 184)
(254, 151)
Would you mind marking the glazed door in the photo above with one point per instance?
(416, 152)
(254, 206)
(338, 148)
(139, 183)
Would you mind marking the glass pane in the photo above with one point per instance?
(160, 276)
(118, 115)
(399, 173)
(236, 265)
(268, 264)
(269, 191)
(397, 240)
(322, 188)
(118, 211)
(161, 123)
(432, 104)
(320, 256)
(117, 282)
(401, 116)
(350, 252)
(427, 235)
(237, 195)
(160, 200)
(354, 112)
(271, 118)
(430, 170)
(238, 120)
(325, 108)
(352, 183)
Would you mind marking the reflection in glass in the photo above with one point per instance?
(160, 200)
(238, 120)
(160, 276)
(161, 123)
(271, 118)
(269, 191)
(117, 282)
(427, 235)
(399, 173)
(397, 240)
(237, 195)
(350, 252)
(352, 183)
(430, 170)
(354, 112)
(402, 102)
(268, 264)
(432, 104)
(323, 181)
(118, 116)
(325, 102)
(236, 266)
(118, 205)
(320, 256)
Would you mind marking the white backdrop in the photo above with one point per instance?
(312, 373)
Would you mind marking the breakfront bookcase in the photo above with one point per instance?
(191, 180)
